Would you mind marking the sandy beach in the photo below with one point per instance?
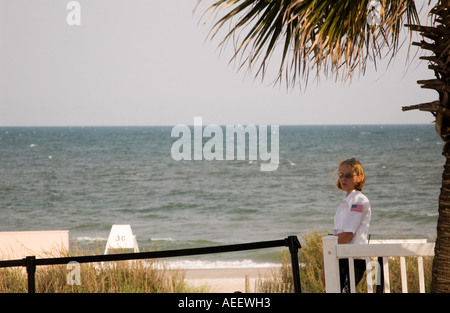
(226, 280)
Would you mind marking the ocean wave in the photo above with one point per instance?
(161, 239)
(93, 239)
(90, 239)
(201, 264)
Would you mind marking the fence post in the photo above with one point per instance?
(30, 262)
(294, 245)
(331, 264)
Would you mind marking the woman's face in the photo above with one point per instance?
(348, 178)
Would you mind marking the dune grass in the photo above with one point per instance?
(137, 276)
(120, 277)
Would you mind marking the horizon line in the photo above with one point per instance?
(222, 125)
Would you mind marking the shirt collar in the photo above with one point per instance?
(351, 196)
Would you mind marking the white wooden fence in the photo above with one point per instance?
(332, 252)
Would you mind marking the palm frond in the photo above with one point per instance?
(330, 36)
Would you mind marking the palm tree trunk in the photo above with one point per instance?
(438, 37)
(441, 263)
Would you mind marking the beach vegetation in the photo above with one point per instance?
(117, 277)
(131, 276)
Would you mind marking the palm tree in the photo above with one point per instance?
(338, 38)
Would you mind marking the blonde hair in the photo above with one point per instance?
(357, 167)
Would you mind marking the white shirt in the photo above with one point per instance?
(353, 216)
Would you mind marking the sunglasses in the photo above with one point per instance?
(348, 175)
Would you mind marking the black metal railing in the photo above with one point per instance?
(31, 262)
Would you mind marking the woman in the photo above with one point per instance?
(351, 222)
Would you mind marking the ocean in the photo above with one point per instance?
(85, 179)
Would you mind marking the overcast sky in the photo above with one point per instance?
(141, 62)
